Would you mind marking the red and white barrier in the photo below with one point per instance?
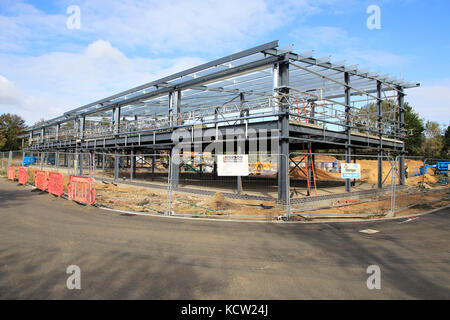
(23, 176)
(82, 189)
(12, 173)
(40, 181)
(55, 184)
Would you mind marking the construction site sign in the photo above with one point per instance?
(350, 171)
(232, 165)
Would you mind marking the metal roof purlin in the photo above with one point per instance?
(249, 72)
(214, 63)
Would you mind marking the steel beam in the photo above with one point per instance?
(70, 114)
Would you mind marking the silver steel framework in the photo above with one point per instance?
(305, 99)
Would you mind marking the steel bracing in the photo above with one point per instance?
(296, 97)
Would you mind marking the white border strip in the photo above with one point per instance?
(275, 222)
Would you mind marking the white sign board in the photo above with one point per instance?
(232, 165)
(350, 170)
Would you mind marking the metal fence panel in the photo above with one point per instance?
(200, 190)
(189, 184)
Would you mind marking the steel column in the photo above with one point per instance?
(153, 164)
(80, 164)
(116, 165)
(171, 109)
(116, 120)
(281, 83)
(240, 142)
(348, 149)
(380, 134)
(103, 164)
(310, 177)
(58, 126)
(82, 127)
(133, 165)
(401, 125)
(176, 107)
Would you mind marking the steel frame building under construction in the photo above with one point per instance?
(296, 98)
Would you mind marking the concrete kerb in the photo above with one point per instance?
(274, 222)
(263, 221)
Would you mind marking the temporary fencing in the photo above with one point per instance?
(11, 173)
(4, 163)
(137, 167)
(229, 185)
(82, 189)
(427, 181)
(194, 186)
(67, 163)
(41, 181)
(23, 174)
(55, 184)
(340, 185)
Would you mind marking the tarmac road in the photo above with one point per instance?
(138, 257)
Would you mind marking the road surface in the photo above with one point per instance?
(138, 257)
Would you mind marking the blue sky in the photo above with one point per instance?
(47, 68)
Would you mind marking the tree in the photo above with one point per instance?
(446, 149)
(433, 143)
(11, 127)
(413, 124)
(38, 123)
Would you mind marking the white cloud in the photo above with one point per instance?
(153, 26)
(24, 27)
(13, 100)
(53, 69)
(53, 83)
(380, 58)
(432, 101)
(49, 69)
(195, 25)
(342, 46)
(318, 38)
(9, 94)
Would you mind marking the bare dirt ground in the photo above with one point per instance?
(124, 197)
(153, 200)
(411, 203)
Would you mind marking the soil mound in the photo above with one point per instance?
(300, 173)
(219, 202)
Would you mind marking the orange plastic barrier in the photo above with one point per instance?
(40, 181)
(55, 184)
(23, 176)
(82, 189)
(12, 173)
